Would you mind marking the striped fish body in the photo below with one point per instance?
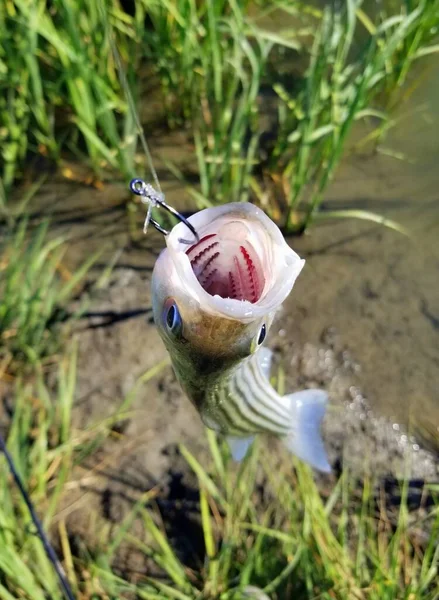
(240, 402)
(213, 304)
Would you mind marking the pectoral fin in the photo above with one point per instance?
(265, 357)
(239, 446)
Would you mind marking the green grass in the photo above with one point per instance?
(39, 430)
(294, 539)
(212, 64)
(226, 129)
(211, 60)
(46, 451)
(61, 89)
(35, 290)
(26, 119)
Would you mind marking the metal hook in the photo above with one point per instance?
(149, 195)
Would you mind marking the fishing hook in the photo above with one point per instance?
(149, 195)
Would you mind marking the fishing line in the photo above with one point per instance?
(51, 554)
(146, 192)
(132, 107)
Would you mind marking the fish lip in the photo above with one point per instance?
(286, 264)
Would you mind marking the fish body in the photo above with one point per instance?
(213, 304)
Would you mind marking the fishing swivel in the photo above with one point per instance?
(149, 195)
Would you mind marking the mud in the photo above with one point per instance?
(313, 346)
(325, 336)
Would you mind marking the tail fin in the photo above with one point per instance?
(305, 441)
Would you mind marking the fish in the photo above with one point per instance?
(213, 302)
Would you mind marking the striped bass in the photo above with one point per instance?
(213, 304)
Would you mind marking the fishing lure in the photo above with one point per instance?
(214, 300)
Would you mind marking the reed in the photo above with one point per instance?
(227, 130)
(186, 46)
(420, 41)
(26, 119)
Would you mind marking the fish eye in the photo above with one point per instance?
(262, 334)
(173, 320)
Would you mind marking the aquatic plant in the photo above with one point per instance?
(210, 75)
(226, 132)
(186, 45)
(420, 40)
(211, 59)
(226, 57)
(26, 118)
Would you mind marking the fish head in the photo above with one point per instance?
(217, 297)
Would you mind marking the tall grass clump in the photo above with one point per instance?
(421, 40)
(61, 89)
(210, 75)
(26, 118)
(35, 289)
(211, 59)
(227, 128)
(342, 85)
(184, 46)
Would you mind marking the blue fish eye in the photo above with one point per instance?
(262, 334)
(173, 319)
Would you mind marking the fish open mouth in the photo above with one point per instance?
(227, 264)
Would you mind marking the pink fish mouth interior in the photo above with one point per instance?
(226, 264)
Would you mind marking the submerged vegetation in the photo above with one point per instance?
(268, 95)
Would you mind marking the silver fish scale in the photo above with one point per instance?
(242, 402)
